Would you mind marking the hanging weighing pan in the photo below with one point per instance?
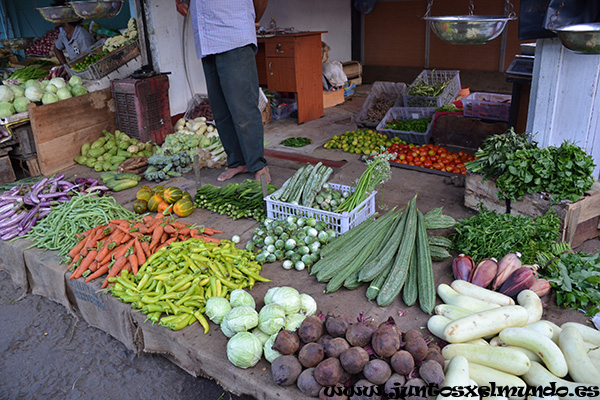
(59, 14)
(468, 29)
(580, 38)
(96, 9)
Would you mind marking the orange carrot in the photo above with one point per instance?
(98, 273)
(170, 229)
(147, 219)
(184, 231)
(146, 248)
(178, 224)
(75, 250)
(108, 246)
(125, 238)
(166, 242)
(133, 261)
(93, 266)
(208, 239)
(115, 269)
(139, 252)
(156, 236)
(211, 231)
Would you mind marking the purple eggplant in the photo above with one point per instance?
(50, 195)
(7, 207)
(28, 218)
(11, 197)
(14, 220)
(9, 235)
(29, 225)
(8, 214)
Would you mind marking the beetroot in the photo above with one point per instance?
(436, 356)
(402, 362)
(337, 326)
(328, 372)
(311, 329)
(368, 391)
(393, 386)
(333, 393)
(311, 354)
(418, 386)
(385, 341)
(431, 372)
(360, 333)
(336, 346)
(417, 347)
(410, 334)
(377, 371)
(324, 339)
(307, 383)
(285, 370)
(286, 342)
(354, 359)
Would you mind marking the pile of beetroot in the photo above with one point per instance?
(353, 358)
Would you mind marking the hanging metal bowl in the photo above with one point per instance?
(59, 14)
(468, 29)
(580, 38)
(17, 43)
(96, 9)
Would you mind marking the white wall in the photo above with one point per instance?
(565, 98)
(172, 51)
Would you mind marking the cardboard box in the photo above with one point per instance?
(333, 98)
(580, 219)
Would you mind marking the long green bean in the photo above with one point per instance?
(58, 231)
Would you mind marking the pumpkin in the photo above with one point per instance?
(153, 203)
(140, 206)
(159, 190)
(187, 195)
(143, 194)
(183, 207)
(165, 208)
(172, 194)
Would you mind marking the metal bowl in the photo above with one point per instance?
(96, 9)
(580, 38)
(468, 29)
(17, 43)
(59, 14)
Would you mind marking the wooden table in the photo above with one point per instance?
(292, 62)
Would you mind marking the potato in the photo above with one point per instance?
(307, 383)
(333, 393)
(436, 356)
(377, 371)
(360, 333)
(354, 359)
(393, 386)
(365, 390)
(336, 346)
(285, 370)
(432, 372)
(286, 342)
(402, 362)
(417, 347)
(311, 354)
(311, 329)
(385, 341)
(418, 387)
(337, 326)
(328, 372)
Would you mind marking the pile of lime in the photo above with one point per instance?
(365, 141)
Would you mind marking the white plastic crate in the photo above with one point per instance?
(487, 106)
(338, 222)
(406, 113)
(431, 77)
(391, 91)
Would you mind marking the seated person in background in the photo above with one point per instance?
(74, 39)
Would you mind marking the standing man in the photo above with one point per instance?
(225, 36)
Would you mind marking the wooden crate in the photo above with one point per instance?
(61, 128)
(7, 174)
(333, 98)
(580, 219)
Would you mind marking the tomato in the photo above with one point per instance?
(427, 164)
(418, 163)
(409, 158)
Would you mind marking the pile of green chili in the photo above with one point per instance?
(58, 231)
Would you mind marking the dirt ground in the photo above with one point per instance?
(48, 353)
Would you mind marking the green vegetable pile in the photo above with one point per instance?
(178, 142)
(164, 165)
(520, 167)
(364, 141)
(296, 142)
(237, 200)
(422, 88)
(89, 60)
(302, 187)
(575, 278)
(58, 231)
(410, 125)
(22, 75)
(489, 234)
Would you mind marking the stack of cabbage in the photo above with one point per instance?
(14, 98)
(249, 331)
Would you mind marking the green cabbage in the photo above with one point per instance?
(6, 94)
(285, 296)
(6, 109)
(75, 80)
(78, 90)
(271, 318)
(44, 83)
(17, 90)
(34, 93)
(271, 354)
(51, 88)
(216, 308)
(263, 337)
(63, 93)
(244, 350)
(58, 82)
(294, 321)
(33, 82)
(49, 98)
(226, 331)
(20, 104)
(239, 297)
(241, 319)
(308, 305)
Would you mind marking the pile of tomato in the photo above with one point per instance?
(430, 156)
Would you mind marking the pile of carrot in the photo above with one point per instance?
(125, 245)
